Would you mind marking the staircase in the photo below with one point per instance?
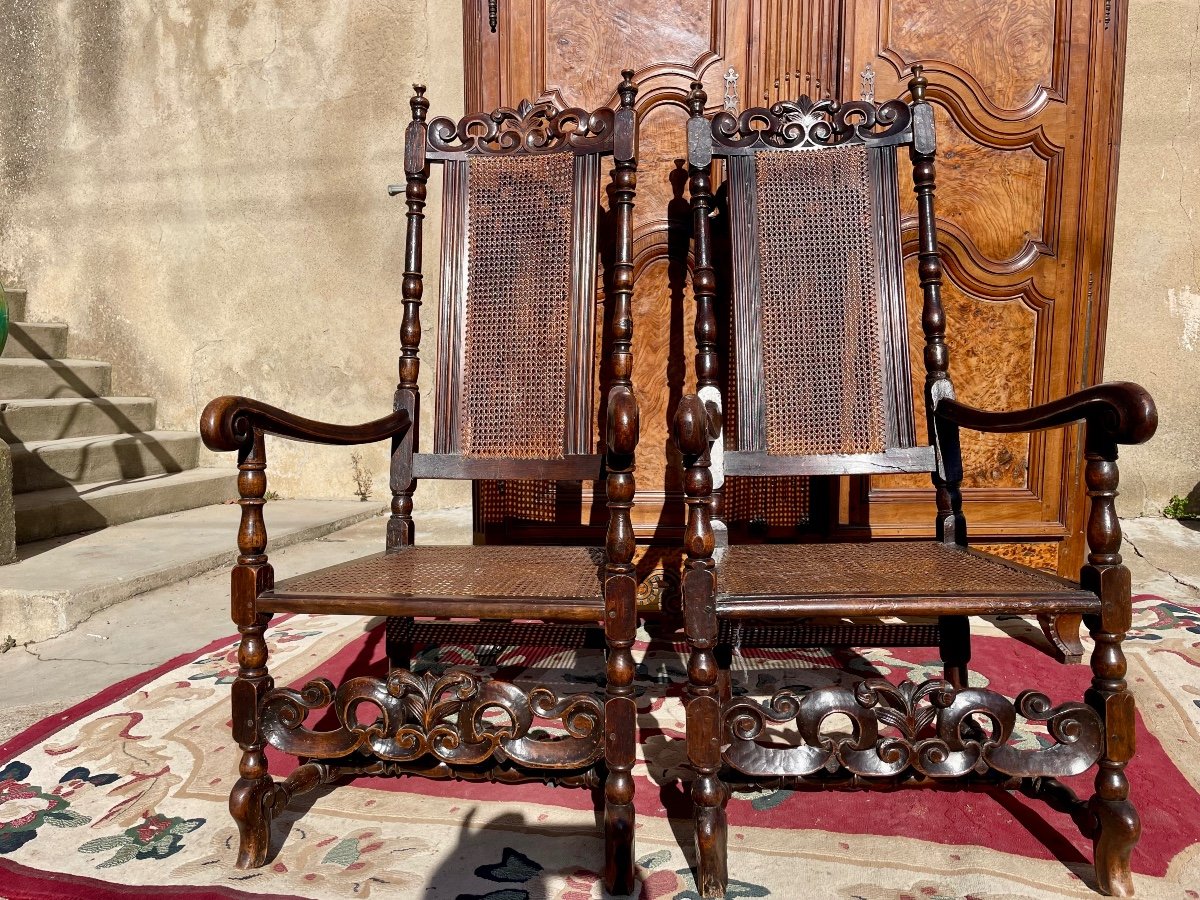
(82, 459)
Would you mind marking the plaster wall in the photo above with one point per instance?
(198, 188)
(1154, 310)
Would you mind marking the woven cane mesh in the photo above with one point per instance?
(879, 569)
(819, 280)
(531, 501)
(461, 572)
(514, 395)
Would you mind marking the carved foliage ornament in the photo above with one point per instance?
(813, 123)
(933, 730)
(456, 718)
(530, 128)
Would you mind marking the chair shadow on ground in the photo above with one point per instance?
(503, 858)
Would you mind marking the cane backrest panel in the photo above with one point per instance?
(515, 370)
(819, 301)
(512, 394)
(817, 283)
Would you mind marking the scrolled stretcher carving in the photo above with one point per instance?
(441, 718)
(933, 730)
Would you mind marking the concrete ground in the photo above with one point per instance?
(48, 676)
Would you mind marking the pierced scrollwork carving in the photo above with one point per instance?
(906, 730)
(449, 718)
(532, 128)
(813, 123)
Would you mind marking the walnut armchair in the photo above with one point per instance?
(519, 271)
(822, 387)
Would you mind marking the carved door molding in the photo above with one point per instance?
(1027, 99)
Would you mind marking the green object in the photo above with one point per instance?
(1180, 508)
(3, 319)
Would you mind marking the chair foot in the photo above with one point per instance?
(1118, 828)
(1062, 631)
(712, 876)
(618, 848)
(250, 803)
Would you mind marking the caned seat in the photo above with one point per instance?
(819, 353)
(524, 335)
(910, 578)
(566, 584)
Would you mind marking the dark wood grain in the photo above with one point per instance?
(939, 738)
(434, 725)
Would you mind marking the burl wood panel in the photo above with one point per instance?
(1006, 48)
(991, 361)
(996, 196)
(1024, 95)
(1036, 556)
(661, 370)
(586, 44)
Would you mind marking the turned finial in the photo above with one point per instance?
(917, 84)
(696, 99)
(627, 89)
(419, 103)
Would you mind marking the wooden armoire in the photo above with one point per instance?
(1028, 104)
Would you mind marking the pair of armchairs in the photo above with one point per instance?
(822, 388)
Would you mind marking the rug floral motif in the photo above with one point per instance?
(127, 794)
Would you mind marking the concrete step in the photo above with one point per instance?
(22, 421)
(43, 465)
(35, 340)
(86, 507)
(60, 582)
(17, 303)
(45, 378)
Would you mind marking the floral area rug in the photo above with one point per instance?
(125, 795)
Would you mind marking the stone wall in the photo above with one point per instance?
(1154, 313)
(198, 188)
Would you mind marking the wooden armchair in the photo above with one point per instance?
(822, 387)
(518, 274)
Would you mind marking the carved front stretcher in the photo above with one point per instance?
(907, 731)
(435, 720)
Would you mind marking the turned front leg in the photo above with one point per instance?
(704, 726)
(252, 797)
(1117, 824)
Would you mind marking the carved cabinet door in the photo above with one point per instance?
(1027, 95)
(1027, 101)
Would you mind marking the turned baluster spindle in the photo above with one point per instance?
(620, 711)
(704, 281)
(416, 170)
(252, 491)
(951, 525)
(695, 429)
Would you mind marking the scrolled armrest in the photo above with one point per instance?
(1121, 411)
(624, 421)
(229, 423)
